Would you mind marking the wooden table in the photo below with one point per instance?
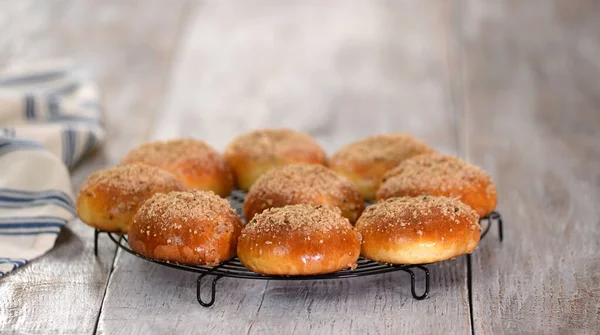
(512, 86)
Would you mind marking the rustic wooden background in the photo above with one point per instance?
(511, 85)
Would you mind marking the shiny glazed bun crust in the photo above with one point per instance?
(256, 152)
(366, 161)
(109, 199)
(193, 162)
(195, 227)
(299, 240)
(441, 175)
(418, 230)
(303, 184)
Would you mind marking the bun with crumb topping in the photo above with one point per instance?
(441, 175)
(366, 161)
(299, 240)
(303, 184)
(195, 227)
(418, 230)
(193, 162)
(109, 199)
(256, 152)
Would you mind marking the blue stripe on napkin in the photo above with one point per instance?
(13, 204)
(29, 107)
(12, 195)
(16, 263)
(11, 145)
(34, 77)
(55, 111)
(38, 232)
(31, 225)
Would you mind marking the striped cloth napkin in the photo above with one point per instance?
(49, 119)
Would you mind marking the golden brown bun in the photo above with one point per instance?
(109, 199)
(299, 240)
(365, 161)
(193, 162)
(303, 184)
(441, 175)
(195, 227)
(256, 152)
(418, 230)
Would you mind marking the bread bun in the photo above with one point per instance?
(441, 175)
(195, 227)
(109, 199)
(418, 230)
(193, 162)
(365, 161)
(303, 184)
(256, 152)
(299, 240)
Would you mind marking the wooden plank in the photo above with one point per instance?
(126, 48)
(340, 71)
(532, 101)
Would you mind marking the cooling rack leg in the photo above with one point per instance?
(96, 233)
(495, 216)
(212, 293)
(500, 229)
(413, 282)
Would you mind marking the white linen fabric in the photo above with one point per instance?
(49, 119)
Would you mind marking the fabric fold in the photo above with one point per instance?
(50, 118)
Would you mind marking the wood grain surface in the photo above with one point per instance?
(513, 86)
(127, 52)
(334, 72)
(532, 112)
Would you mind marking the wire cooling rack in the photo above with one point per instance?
(234, 269)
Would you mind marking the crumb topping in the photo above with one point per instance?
(384, 148)
(302, 182)
(435, 171)
(302, 218)
(132, 179)
(163, 153)
(169, 209)
(414, 211)
(266, 143)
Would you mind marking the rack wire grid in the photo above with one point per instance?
(234, 269)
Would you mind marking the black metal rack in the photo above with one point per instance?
(234, 269)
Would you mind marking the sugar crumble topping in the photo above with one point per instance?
(298, 182)
(435, 171)
(270, 143)
(304, 218)
(163, 153)
(169, 209)
(132, 179)
(383, 148)
(415, 211)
